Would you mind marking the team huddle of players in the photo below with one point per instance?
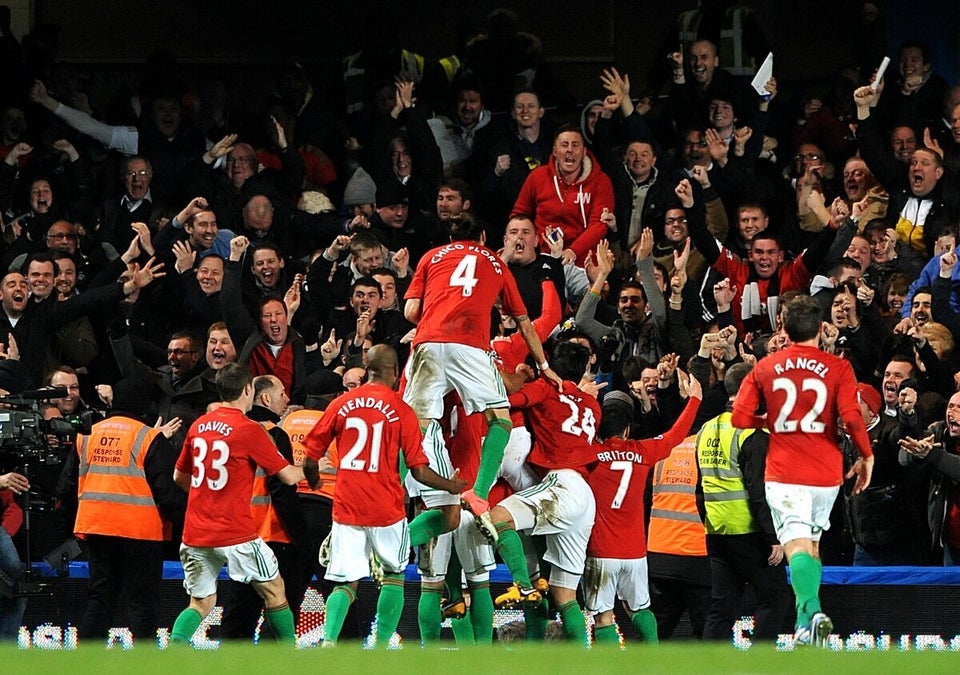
(569, 471)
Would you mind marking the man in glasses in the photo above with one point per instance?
(138, 203)
(181, 388)
(229, 173)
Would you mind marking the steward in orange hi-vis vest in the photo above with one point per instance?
(126, 503)
(675, 525)
(114, 496)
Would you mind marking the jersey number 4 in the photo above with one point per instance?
(351, 460)
(810, 423)
(465, 275)
(219, 454)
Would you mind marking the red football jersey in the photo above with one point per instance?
(804, 390)
(511, 351)
(619, 481)
(372, 426)
(458, 285)
(563, 424)
(221, 451)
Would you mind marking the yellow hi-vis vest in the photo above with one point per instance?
(724, 493)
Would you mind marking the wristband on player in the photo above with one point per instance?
(543, 366)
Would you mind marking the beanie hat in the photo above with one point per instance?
(869, 397)
(618, 398)
(360, 189)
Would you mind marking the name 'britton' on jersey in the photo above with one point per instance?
(622, 455)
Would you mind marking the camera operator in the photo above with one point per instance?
(12, 377)
(11, 568)
(66, 377)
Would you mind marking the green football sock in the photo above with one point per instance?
(454, 569)
(574, 627)
(491, 455)
(645, 623)
(536, 618)
(389, 608)
(185, 626)
(337, 605)
(428, 614)
(281, 621)
(511, 550)
(481, 611)
(463, 630)
(429, 524)
(805, 573)
(606, 635)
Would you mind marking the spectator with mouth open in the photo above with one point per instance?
(220, 348)
(269, 345)
(528, 265)
(570, 192)
(363, 320)
(918, 208)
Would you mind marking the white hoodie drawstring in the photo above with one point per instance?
(583, 211)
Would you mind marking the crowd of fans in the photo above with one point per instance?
(139, 260)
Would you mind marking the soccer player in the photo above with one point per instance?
(372, 426)
(220, 455)
(804, 391)
(617, 564)
(450, 299)
(561, 506)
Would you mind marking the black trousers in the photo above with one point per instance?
(117, 563)
(735, 561)
(670, 598)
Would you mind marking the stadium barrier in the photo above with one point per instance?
(877, 601)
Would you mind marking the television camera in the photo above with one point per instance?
(27, 438)
(25, 433)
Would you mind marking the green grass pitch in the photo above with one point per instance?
(552, 658)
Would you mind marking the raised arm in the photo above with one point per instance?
(586, 312)
(123, 139)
